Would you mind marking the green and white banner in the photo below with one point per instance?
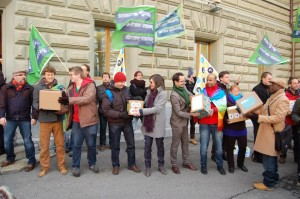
(296, 29)
(266, 54)
(135, 28)
(170, 26)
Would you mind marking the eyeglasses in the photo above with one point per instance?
(71, 74)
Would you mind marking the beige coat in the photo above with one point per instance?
(180, 113)
(279, 107)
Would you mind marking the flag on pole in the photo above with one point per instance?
(266, 54)
(120, 65)
(205, 68)
(170, 26)
(296, 29)
(135, 27)
(39, 55)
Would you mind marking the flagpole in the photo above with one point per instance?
(51, 49)
(187, 47)
(154, 45)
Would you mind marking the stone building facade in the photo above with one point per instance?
(227, 36)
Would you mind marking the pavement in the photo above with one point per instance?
(189, 184)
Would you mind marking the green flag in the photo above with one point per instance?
(296, 29)
(170, 26)
(135, 28)
(266, 54)
(39, 55)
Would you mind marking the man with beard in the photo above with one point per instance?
(103, 120)
(15, 111)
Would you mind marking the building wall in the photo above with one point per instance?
(234, 32)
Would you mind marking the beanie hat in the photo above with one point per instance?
(119, 77)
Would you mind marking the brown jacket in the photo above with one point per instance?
(88, 111)
(180, 113)
(279, 106)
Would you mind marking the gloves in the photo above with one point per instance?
(253, 116)
(64, 99)
(124, 115)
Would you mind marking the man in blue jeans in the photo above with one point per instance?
(15, 111)
(114, 108)
(83, 118)
(213, 124)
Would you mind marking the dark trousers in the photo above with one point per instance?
(2, 151)
(115, 131)
(103, 126)
(297, 137)
(256, 154)
(230, 143)
(296, 143)
(271, 176)
(192, 129)
(148, 150)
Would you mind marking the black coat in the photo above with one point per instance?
(262, 91)
(16, 105)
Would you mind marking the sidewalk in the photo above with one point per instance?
(189, 184)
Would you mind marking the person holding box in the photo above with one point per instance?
(50, 122)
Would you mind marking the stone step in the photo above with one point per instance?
(20, 152)
(20, 164)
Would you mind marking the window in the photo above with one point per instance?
(105, 57)
(204, 49)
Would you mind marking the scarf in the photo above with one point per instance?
(18, 85)
(239, 96)
(138, 83)
(183, 93)
(50, 84)
(148, 122)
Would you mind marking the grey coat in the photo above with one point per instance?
(159, 113)
(180, 113)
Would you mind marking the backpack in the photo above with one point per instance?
(111, 96)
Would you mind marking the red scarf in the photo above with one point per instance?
(18, 85)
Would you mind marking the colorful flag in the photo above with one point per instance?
(170, 26)
(266, 54)
(296, 29)
(120, 65)
(205, 68)
(39, 55)
(135, 28)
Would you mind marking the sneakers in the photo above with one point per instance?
(193, 141)
(94, 168)
(76, 172)
(43, 172)
(63, 171)
(261, 186)
(221, 170)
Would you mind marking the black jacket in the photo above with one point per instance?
(262, 91)
(16, 105)
(100, 90)
(190, 86)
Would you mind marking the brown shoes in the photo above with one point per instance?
(115, 170)
(7, 163)
(63, 170)
(189, 166)
(101, 148)
(193, 141)
(43, 172)
(30, 167)
(134, 168)
(261, 186)
(175, 169)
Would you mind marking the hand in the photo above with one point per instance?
(33, 121)
(3, 121)
(252, 116)
(197, 114)
(136, 114)
(211, 112)
(63, 100)
(124, 115)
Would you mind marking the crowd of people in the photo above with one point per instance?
(89, 107)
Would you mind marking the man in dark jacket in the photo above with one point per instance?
(2, 83)
(263, 93)
(15, 111)
(114, 108)
(103, 120)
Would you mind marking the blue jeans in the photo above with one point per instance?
(270, 174)
(205, 131)
(115, 132)
(103, 125)
(88, 133)
(9, 134)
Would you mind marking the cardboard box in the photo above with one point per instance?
(134, 106)
(249, 103)
(48, 100)
(206, 108)
(234, 116)
(197, 102)
(292, 103)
